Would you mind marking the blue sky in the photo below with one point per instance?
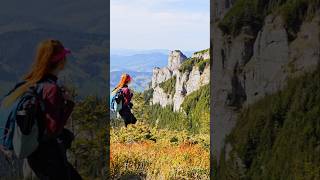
(160, 24)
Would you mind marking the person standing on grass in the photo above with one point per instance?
(49, 160)
(122, 97)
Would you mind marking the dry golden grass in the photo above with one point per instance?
(158, 154)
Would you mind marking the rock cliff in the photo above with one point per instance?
(182, 76)
(256, 61)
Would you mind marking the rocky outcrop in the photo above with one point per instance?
(186, 82)
(160, 75)
(176, 58)
(255, 63)
(201, 54)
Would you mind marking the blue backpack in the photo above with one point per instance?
(117, 101)
(19, 125)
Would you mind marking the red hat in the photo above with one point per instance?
(61, 55)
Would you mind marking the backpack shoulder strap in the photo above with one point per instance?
(38, 90)
(118, 94)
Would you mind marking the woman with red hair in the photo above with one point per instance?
(123, 89)
(49, 160)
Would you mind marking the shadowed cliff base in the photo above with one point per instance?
(281, 141)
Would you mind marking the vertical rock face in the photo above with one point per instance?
(160, 75)
(186, 82)
(176, 58)
(159, 96)
(253, 64)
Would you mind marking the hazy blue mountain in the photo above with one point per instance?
(140, 79)
(86, 69)
(73, 15)
(130, 52)
(138, 62)
(82, 26)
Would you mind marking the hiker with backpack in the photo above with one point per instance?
(121, 101)
(38, 110)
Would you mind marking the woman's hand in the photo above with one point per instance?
(130, 105)
(66, 93)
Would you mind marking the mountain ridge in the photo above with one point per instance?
(88, 57)
(173, 83)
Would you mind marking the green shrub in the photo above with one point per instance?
(147, 95)
(202, 65)
(197, 107)
(188, 65)
(282, 140)
(143, 151)
(195, 118)
(295, 11)
(169, 85)
(243, 13)
(253, 12)
(165, 117)
(202, 51)
(89, 124)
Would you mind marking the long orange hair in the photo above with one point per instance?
(125, 79)
(42, 66)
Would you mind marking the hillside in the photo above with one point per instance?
(86, 68)
(178, 98)
(285, 135)
(144, 152)
(258, 47)
(169, 135)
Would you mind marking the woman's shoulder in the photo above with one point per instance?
(126, 89)
(50, 89)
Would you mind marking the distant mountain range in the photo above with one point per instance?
(140, 80)
(130, 52)
(139, 66)
(72, 15)
(87, 66)
(82, 26)
(138, 63)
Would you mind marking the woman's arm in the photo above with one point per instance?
(57, 109)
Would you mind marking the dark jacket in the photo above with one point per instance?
(127, 95)
(57, 109)
(49, 161)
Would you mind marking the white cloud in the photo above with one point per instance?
(138, 25)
